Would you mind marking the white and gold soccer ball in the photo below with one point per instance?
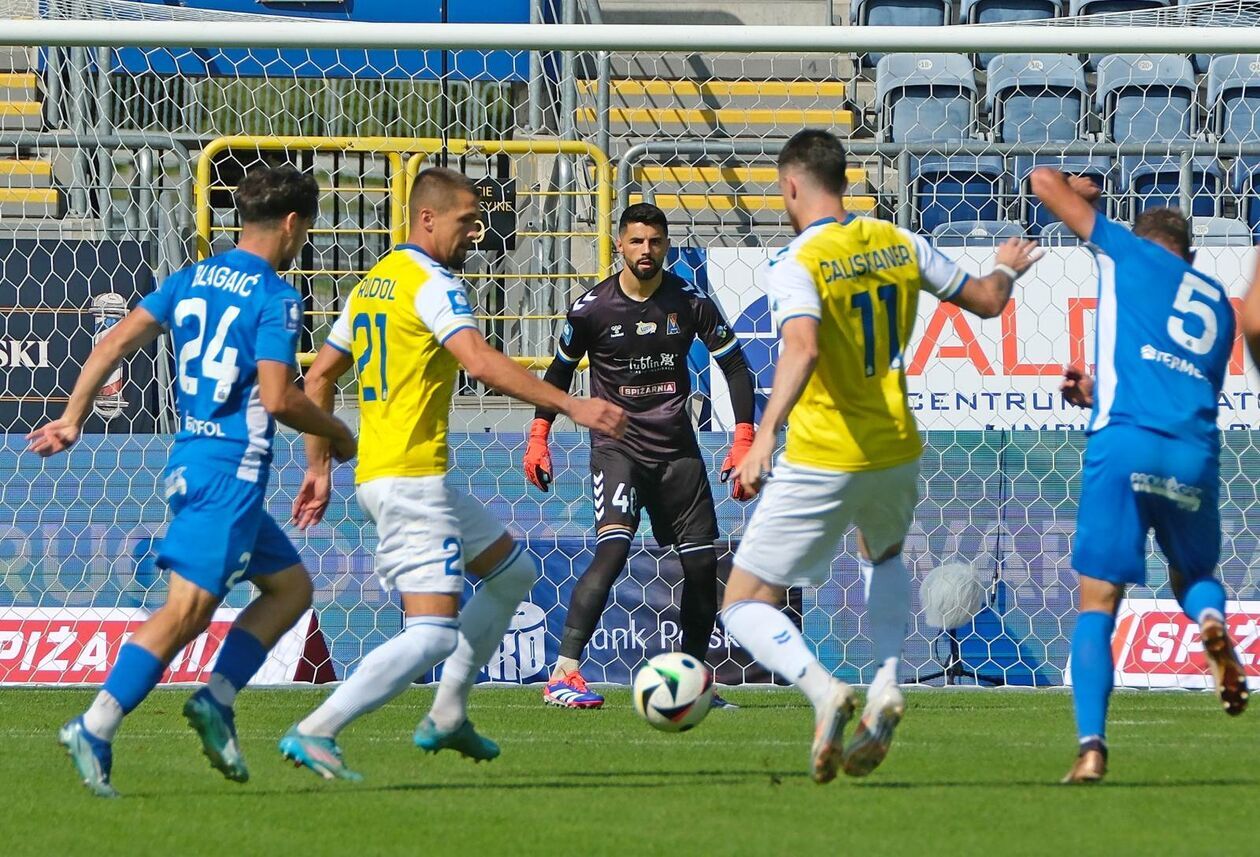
(673, 692)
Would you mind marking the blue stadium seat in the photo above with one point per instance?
(976, 233)
(925, 98)
(1056, 234)
(1037, 98)
(961, 187)
(999, 11)
(1233, 98)
(898, 13)
(1099, 169)
(1220, 232)
(1243, 176)
(1146, 97)
(1107, 7)
(1157, 181)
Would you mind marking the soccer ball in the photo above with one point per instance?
(673, 691)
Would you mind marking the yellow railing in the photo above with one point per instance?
(401, 174)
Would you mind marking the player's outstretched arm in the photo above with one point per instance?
(289, 405)
(987, 296)
(320, 384)
(1069, 198)
(495, 370)
(797, 357)
(134, 332)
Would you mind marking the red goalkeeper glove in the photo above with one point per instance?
(538, 456)
(744, 434)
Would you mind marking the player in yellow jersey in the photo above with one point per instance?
(407, 327)
(844, 295)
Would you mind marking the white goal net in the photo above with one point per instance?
(117, 165)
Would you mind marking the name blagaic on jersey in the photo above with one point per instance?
(226, 278)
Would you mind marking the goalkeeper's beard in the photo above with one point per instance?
(645, 274)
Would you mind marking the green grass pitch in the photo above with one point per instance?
(971, 773)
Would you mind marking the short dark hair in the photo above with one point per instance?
(819, 154)
(1165, 224)
(267, 194)
(435, 187)
(645, 213)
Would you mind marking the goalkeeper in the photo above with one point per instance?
(637, 327)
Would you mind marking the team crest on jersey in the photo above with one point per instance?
(459, 302)
(671, 324)
(643, 328)
(292, 316)
(615, 331)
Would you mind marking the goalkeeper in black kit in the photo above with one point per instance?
(637, 327)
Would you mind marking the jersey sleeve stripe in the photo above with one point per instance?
(454, 328)
(962, 281)
(726, 349)
(337, 345)
(816, 315)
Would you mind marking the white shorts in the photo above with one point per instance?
(426, 531)
(804, 514)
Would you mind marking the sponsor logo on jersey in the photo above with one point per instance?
(1188, 497)
(292, 316)
(1171, 361)
(662, 389)
(671, 324)
(226, 278)
(566, 335)
(459, 302)
(24, 354)
(175, 483)
(643, 328)
(649, 363)
(615, 331)
(523, 652)
(202, 428)
(1157, 645)
(721, 332)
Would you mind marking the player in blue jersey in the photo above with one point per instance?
(1163, 340)
(234, 325)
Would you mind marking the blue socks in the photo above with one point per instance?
(242, 655)
(136, 672)
(1092, 670)
(1204, 596)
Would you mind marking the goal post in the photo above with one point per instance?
(124, 128)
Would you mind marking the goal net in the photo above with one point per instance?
(117, 166)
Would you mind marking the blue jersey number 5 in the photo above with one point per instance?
(364, 322)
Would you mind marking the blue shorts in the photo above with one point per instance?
(219, 533)
(1136, 481)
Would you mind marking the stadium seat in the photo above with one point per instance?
(999, 11)
(962, 187)
(1243, 176)
(1099, 169)
(1220, 232)
(1157, 181)
(1056, 234)
(1233, 98)
(976, 233)
(925, 98)
(1107, 7)
(1036, 98)
(1146, 97)
(898, 13)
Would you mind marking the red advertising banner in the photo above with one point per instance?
(77, 645)
(1156, 645)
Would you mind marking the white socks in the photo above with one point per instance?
(887, 614)
(483, 622)
(772, 639)
(222, 690)
(386, 672)
(104, 716)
